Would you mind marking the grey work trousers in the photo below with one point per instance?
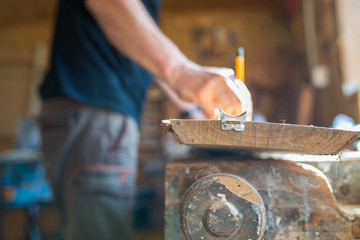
(90, 156)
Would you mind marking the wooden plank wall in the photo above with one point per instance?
(349, 37)
(276, 70)
(25, 30)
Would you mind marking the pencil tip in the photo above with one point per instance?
(241, 52)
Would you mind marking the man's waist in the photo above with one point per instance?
(61, 102)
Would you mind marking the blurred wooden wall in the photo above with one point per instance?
(348, 39)
(25, 30)
(288, 83)
(279, 72)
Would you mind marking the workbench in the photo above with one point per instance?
(298, 197)
(236, 186)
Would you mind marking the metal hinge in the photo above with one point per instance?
(236, 123)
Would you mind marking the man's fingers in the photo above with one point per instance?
(210, 98)
(230, 102)
(211, 90)
(218, 94)
(237, 105)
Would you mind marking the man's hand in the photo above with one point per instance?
(208, 88)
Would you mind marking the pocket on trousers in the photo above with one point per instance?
(62, 117)
(103, 183)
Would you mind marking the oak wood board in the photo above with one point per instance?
(262, 136)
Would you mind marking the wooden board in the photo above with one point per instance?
(261, 136)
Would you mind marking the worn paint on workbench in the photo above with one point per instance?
(298, 198)
(222, 206)
(344, 177)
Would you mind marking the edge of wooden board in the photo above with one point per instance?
(261, 136)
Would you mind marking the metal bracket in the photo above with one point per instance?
(236, 123)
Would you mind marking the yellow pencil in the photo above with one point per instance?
(240, 64)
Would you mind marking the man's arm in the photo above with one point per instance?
(130, 28)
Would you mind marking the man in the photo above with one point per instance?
(93, 96)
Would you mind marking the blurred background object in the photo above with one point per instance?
(301, 67)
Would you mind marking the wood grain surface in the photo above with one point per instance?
(261, 136)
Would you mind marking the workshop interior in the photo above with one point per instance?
(291, 173)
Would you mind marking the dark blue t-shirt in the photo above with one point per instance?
(87, 68)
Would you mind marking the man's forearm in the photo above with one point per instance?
(130, 28)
